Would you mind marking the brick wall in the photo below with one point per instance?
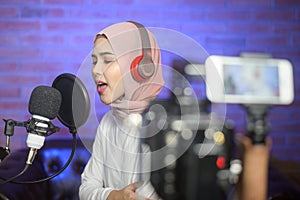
(40, 39)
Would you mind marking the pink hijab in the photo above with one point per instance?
(126, 43)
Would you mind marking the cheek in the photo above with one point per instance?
(114, 77)
(93, 73)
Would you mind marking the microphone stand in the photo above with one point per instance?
(9, 132)
(33, 127)
(30, 125)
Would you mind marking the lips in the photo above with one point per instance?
(101, 87)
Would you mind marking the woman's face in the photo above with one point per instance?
(106, 72)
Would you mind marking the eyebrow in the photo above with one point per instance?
(104, 53)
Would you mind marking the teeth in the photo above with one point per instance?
(101, 85)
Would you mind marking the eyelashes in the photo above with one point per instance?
(104, 60)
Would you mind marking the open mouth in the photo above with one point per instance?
(101, 87)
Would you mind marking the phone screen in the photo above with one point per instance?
(251, 80)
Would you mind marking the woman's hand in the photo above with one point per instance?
(127, 193)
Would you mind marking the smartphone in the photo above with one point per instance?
(249, 80)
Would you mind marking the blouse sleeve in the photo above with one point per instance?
(92, 186)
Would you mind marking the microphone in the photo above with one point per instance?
(44, 105)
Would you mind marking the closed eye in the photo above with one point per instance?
(108, 61)
(106, 58)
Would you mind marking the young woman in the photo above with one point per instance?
(127, 74)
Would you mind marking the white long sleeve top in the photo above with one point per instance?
(115, 162)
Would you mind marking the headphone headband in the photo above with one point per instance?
(142, 67)
(145, 40)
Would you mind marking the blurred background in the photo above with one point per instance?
(40, 39)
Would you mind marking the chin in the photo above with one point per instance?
(105, 100)
(106, 103)
(109, 101)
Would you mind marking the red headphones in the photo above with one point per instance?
(142, 67)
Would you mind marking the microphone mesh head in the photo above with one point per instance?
(45, 101)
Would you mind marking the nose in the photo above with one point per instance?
(97, 70)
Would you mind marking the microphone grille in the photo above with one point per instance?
(45, 101)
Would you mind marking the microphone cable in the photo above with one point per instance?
(16, 176)
(11, 180)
